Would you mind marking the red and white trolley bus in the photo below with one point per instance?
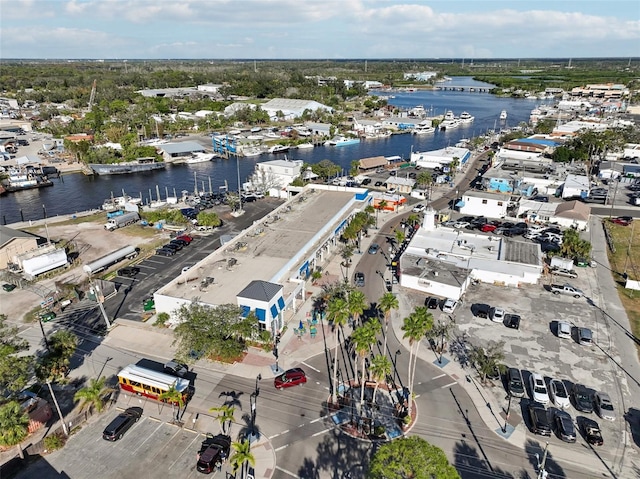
(151, 384)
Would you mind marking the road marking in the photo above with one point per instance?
(284, 432)
(438, 377)
(281, 447)
(321, 432)
(275, 435)
(309, 366)
(287, 472)
(449, 385)
(316, 420)
(302, 425)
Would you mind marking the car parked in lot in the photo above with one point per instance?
(622, 220)
(128, 271)
(515, 383)
(568, 273)
(290, 378)
(582, 398)
(121, 424)
(449, 305)
(481, 310)
(373, 249)
(539, 418)
(165, 252)
(188, 239)
(431, 303)
(497, 315)
(47, 316)
(559, 394)
(563, 330)
(539, 391)
(214, 450)
(512, 321)
(591, 431)
(174, 246)
(489, 227)
(564, 427)
(8, 287)
(604, 406)
(585, 337)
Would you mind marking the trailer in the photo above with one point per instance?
(128, 252)
(121, 221)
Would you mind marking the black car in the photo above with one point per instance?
(564, 427)
(213, 452)
(173, 246)
(512, 321)
(582, 398)
(176, 368)
(366, 181)
(121, 424)
(8, 287)
(515, 384)
(431, 302)
(539, 418)
(165, 252)
(541, 199)
(129, 271)
(179, 242)
(481, 310)
(591, 431)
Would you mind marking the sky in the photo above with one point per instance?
(318, 29)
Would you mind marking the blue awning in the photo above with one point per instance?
(274, 311)
(281, 303)
(261, 314)
(245, 311)
(460, 204)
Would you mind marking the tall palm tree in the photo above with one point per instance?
(380, 369)
(14, 424)
(356, 303)
(173, 396)
(415, 327)
(440, 331)
(386, 303)
(241, 456)
(363, 339)
(346, 253)
(225, 416)
(338, 314)
(93, 395)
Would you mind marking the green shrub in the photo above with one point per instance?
(161, 320)
(54, 442)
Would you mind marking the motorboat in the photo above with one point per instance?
(503, 115)
(199, 157)
(423, 129)
(342, 141)
(279, 149)
(304, 146)
(466, 117)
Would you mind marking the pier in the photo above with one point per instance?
(471, 89)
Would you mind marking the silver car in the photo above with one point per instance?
(604, 406)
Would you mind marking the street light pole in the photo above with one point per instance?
(506, 418)
(542, 473)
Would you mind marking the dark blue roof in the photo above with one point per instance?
(539, 141)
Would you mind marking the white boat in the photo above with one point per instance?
(450, 122)
(279, 149)
(255, 129)
(423, 129)
(199, 157)
(304, 146)
(251, 152)
(449, 115)
(503, 115)
(466, 117)
(255, 137)
(342, 141)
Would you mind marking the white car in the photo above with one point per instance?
(559, 394)
(539, 389)
(419, 208)
(461, 224)
(564, 330)
(497, 315)
(449, 305)
(604, 407)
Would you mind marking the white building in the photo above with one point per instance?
(443, 261)
(575, 186)
(482, 203)
(291, 108)
(273, 176)
(209, 88)
(441, 158)
(572, 214)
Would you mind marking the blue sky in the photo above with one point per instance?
(318, 29)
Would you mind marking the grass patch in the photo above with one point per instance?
(626, 259)
(94, 218)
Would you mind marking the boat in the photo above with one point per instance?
(275, 149)
(256, 129)
(503, 115)
(118, 202)
(449, 122)
(255, 137)
(199, 157)
(26, 178)
(465, 117)
(304, 146)
(137, 166)
(342, 141)
(251, 152)
(423, 129)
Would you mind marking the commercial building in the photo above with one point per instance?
(291, 108)
(264, 269)
(575, 186)
(175, 151)
(14, 243)
(441, 158)
(483, 203)
(274, 176)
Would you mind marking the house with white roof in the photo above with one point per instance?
(483, 203)
(575, 186)
(441, 157)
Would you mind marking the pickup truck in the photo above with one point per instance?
(566, 289)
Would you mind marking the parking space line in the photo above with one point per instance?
(321, 432)
(438, 377)
(149, 437)
(449, 385)
(287, 472)
(196, 437)
(281, 447)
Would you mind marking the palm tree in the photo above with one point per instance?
(380, 369)
(453, 166)
(346, 253)
(413, 219)
(442, 331)
(415, 327)
(241, 456)
(487, 360)
(356, 303)
(93, 395)
(173, 396)
(14, 424)
(338, 314)
(400, 237)
(225, 416)
(386, 303)
(363, 338)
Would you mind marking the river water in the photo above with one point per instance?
(76, 192)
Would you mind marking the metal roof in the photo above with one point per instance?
(260, 291)
(182, 147)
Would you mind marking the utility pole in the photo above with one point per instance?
(506, 416)
(96, 288)
(55, 402)
(542, 473)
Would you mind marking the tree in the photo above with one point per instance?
(93, 396)
(410, 458)
(425, 179)
(386, 303)
(54, 365)
(440, 331)
(219, 331)
(356, 303)
(241, 456)
(173, 396)
(573, 246)
(415, 327)
(363, 338)
(14, 424)
(487, 360)
(380, 370)
(225, 416)
(338, 314)
(208, 219)
(453, 166)
(346, 253)
(15, 370)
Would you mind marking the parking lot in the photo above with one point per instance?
(536, 348)
(149, 449)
